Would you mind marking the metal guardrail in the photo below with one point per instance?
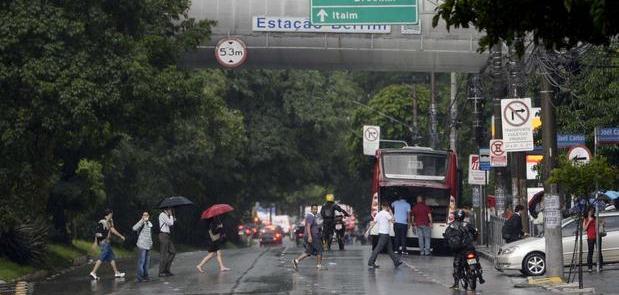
(495, 237)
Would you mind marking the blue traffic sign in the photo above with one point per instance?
(569, 140)
(484, 159)
(607, 135)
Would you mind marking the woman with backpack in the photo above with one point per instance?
(103, 235)
(216, 234)
(145, 244)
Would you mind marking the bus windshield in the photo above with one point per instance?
(420, 166)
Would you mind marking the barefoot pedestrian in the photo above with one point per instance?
(214, 250)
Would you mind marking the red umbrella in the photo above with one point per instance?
(216, 210)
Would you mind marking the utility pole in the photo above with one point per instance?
(453, 114)
(415, 131)
(552, 202)
(475, 94)
(518, 159)
(433, 120)
(498, 89)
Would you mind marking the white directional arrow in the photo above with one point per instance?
(322, 14)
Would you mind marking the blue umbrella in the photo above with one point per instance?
(612, 194)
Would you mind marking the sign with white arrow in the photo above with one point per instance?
(516, 118)
(364, 12)
(579, 155)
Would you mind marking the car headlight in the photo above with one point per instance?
(508, 250)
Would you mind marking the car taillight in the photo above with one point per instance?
(470, 255)
(247, 231)
(240, 227)
(255, 230)
(277, 236)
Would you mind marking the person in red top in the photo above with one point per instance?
(421, 217)
(590, 225)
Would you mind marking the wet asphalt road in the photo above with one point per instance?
(268, 271)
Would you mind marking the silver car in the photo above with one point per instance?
(528, 255)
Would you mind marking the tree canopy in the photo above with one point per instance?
(557, 24)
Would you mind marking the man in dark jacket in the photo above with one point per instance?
(512, 229)
(327, 212)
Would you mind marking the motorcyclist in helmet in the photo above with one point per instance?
(460, 253)
(328, 219)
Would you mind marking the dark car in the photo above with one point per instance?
(270, 237)
(299, 234)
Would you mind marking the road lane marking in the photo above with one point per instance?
(253, 264)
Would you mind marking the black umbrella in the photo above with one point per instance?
(174, 201)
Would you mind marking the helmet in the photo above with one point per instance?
(460, 214)
(330, 198)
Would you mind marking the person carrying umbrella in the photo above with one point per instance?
(216, 234)
(166, 246)
(166, 221)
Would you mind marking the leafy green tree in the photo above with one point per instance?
(583, 179)
(391, 109)
(557, 24)
(77, 76)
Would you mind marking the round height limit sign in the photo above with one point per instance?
(231, 52)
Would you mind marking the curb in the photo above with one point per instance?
(485, 254)
(555, 285)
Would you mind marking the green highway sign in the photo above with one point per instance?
(363, 12)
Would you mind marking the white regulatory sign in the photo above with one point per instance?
(498, 156)
(579, 154)
(371, 139)
(231, 52)
(516, 119)
(476, 176)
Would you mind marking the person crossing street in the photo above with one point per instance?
(327, 212)
(383, 221)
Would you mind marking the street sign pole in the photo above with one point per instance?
(498, 91)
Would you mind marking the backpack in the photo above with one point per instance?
(457, 237)
(101, 232)
(327, 211)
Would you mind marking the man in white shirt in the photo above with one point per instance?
(383, 221)
(167, 249)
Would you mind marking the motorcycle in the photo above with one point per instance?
(340, 232)
(470, 271)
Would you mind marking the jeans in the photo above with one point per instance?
(400, 230)
(143, 264)
(167, 252)
(424, 233)
(591, 245)
(384, 242)
(107, 254)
